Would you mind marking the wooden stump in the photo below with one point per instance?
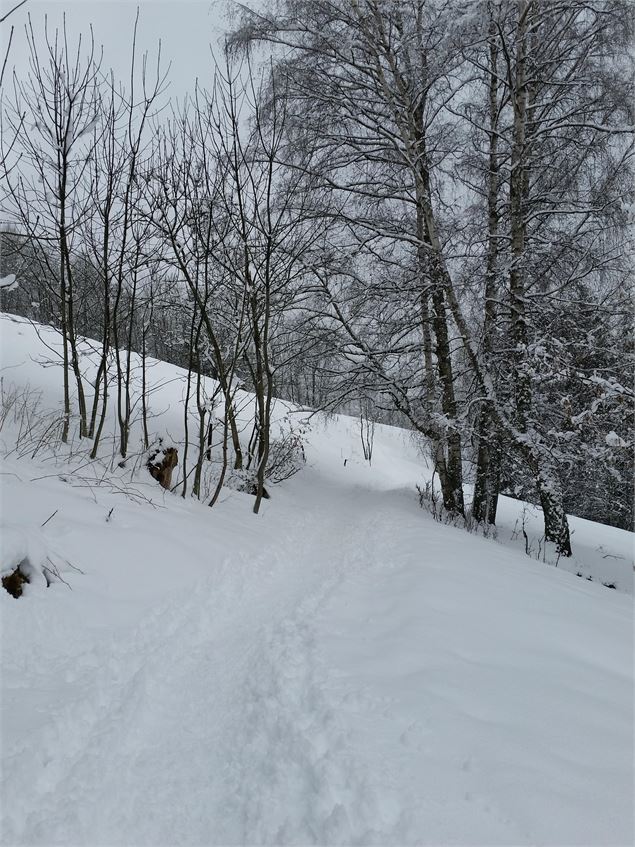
(161, 465)
(14, 581)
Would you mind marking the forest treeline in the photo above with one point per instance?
(417, 211)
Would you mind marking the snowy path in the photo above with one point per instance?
(356, 682)
(178, 729)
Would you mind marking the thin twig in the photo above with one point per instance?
(49, 518)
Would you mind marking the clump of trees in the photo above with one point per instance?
(416, 210)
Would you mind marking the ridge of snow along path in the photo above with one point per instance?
(339, 670)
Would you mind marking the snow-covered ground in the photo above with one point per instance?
(340, 669)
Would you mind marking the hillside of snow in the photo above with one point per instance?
(340, 669)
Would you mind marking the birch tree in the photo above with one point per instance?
(376, 90)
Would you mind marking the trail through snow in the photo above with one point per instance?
(207, 723)
(340, 669)
(328, 691)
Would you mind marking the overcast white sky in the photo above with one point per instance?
(186, 29)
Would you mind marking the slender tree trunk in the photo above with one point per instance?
(259, 390)
(144, 385)
(550, 494)
(446, 448)
(101, 373)
(448, 459)
(210, 433)
(453, 493)
(65, 354)
(235, 437)
(123, 443)
(487, 482)
(450, 469)
(517, 289)
(79, 381)
(188, 391)
(102, 419)
(129, 341)
(225, 452)
(202, 414)
(70, 319)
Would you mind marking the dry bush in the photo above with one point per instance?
(286, 453)
(27, 429)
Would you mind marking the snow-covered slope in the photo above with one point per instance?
(340, 669)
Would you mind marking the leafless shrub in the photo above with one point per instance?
(430, 499)
(286, 455)
(367, 435)
(26, 428)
